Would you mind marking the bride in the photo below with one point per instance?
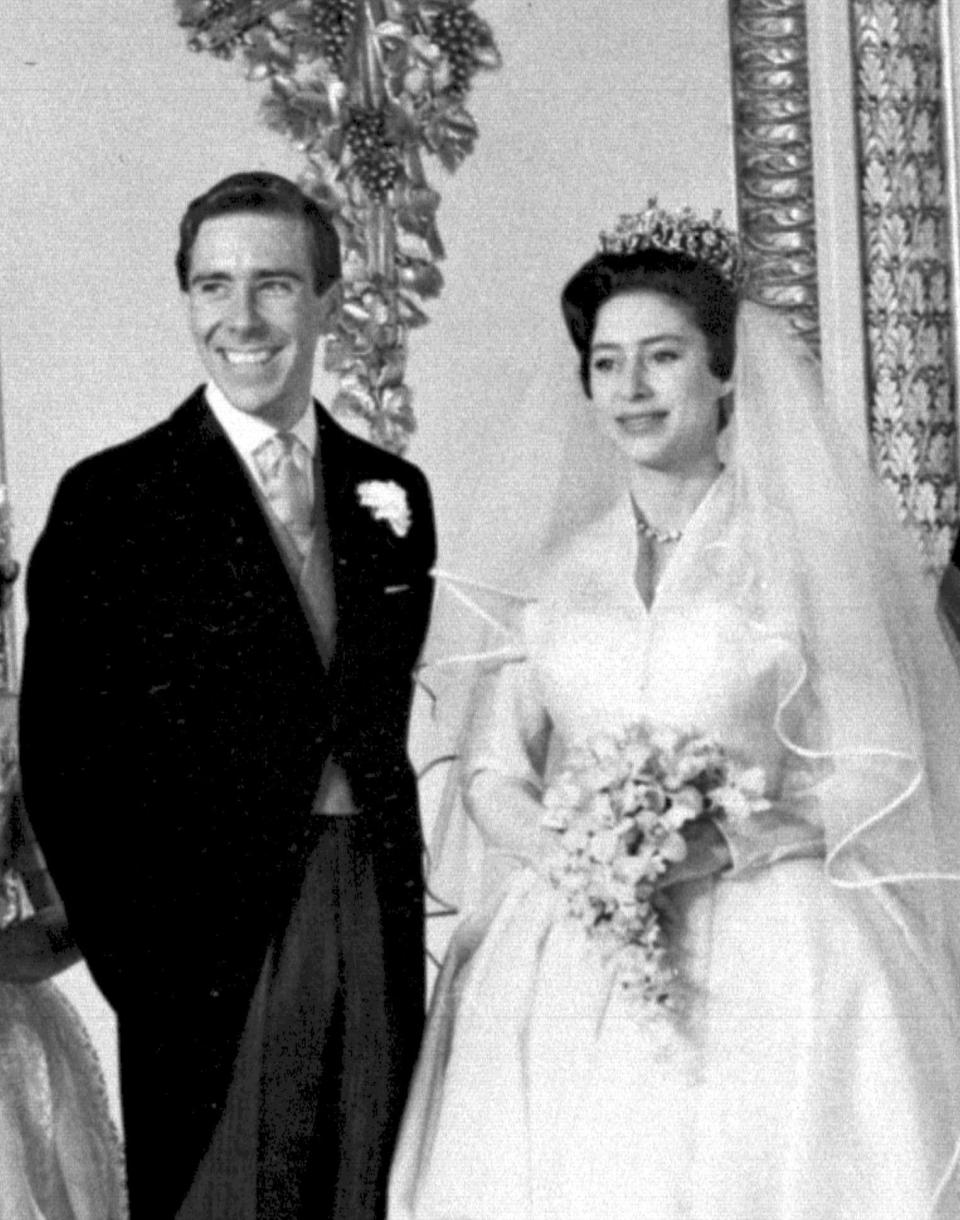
(750, 582)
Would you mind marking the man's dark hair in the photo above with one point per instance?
(268, 195)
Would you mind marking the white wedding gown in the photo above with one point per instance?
(816, 1076)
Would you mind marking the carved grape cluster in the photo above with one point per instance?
(334, 21)
(222, 25)
(458, 32)
(376, 159)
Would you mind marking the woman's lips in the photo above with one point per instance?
(637, 423)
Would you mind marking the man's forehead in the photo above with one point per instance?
(251, 241)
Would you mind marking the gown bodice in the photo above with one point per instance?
(701, 667)
(595, 658)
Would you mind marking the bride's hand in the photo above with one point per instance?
(707, 853)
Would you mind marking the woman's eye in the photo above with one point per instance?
(665, 355)
(602, 364)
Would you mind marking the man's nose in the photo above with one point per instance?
(244, 314)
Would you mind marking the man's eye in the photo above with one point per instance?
(275, 288)
(210, 288)
(602, 364)
(666, 355)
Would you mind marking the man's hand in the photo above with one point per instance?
(35, 948)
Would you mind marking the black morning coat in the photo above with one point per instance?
(175, 720)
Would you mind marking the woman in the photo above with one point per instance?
(751, 583)
(60, 1156)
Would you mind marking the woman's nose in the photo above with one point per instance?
(639, 382)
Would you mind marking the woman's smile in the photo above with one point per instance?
(640, 423)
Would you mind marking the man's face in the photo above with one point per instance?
(254, 314)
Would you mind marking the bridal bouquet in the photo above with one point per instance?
(620, 806)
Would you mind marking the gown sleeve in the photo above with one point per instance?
(508, 736)
(767, 838)
(790, 829)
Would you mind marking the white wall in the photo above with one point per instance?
(110, 125)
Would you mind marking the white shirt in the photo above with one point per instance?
(247, 432)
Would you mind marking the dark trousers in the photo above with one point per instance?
(313, 1109)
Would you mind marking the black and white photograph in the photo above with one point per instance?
(480, 610)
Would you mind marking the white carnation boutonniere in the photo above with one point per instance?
(387, 501)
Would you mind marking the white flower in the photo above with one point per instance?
(674, 847)
(388, 502)
(665, 739)
(601, 811)
(604, 846)
(751, 779)
(687, 805)
(575, 839)
(734, 803)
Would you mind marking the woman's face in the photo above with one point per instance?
(651, 385)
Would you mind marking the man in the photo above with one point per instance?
(224, 613)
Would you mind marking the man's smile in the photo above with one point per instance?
(248, 356)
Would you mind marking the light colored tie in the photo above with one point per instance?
(283, 463)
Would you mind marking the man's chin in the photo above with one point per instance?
(248, 399)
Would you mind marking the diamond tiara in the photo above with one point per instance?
(703, 241)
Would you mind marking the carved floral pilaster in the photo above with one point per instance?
(773, 146)
(905, 219)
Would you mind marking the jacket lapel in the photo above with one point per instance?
(368, 558)
(244, 573)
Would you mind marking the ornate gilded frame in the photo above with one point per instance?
(906, 218)
(773, 149)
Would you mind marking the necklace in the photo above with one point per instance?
(646, 530)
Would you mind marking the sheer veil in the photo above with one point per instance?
(869, 702)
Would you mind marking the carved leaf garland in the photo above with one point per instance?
(363, 88)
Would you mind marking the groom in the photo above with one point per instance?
(224, 613)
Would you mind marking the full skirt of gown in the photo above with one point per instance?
(812, 1079)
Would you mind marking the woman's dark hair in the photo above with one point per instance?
(270, 195)
(710, 301)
